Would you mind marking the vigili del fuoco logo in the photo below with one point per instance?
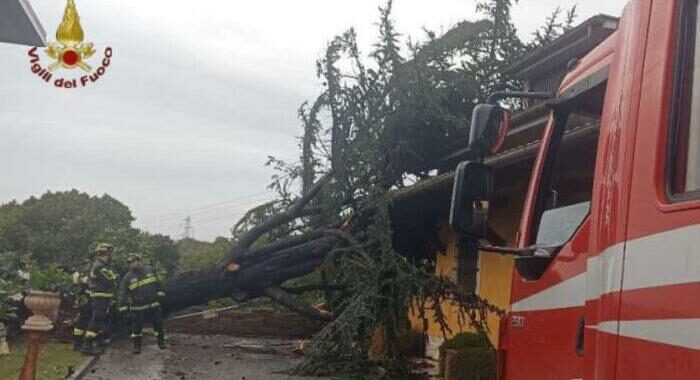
(68, 54)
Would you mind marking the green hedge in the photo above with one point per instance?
(464, 339)
(473, 357)
(472, 363)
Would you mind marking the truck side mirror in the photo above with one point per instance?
(473, 185)
(488, 129)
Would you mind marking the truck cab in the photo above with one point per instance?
(607, 258)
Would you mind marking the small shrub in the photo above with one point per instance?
(472, 363)
(463, 340)
(7, 308)
(411, 344)
(471, 357)
(51, 278)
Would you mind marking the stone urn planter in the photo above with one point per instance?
(44, 306)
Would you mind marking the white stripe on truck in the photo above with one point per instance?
(667, 258)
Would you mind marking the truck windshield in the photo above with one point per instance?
(565, 188)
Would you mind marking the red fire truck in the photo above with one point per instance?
(607, 279)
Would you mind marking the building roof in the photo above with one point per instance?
(19, 24)
(527, 125)
(431, 187)
(574, 43)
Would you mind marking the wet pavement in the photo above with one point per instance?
(190, 357)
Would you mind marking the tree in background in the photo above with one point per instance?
(58, 228)
(197, 255)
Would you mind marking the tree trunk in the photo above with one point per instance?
(195, 288)
(253, 272)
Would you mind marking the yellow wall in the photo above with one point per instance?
(445, 266)
(495, 275)
(493, 284)
(495, 271)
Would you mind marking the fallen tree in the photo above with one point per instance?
(261, 270)
(389, 122)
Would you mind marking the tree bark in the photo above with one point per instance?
(291, 302)
(249, 273)
(195, 288)
(295, 211)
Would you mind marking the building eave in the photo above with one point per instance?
(575, 42)
(19, 24)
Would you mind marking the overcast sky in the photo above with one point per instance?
(198, 94)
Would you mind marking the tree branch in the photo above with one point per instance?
(280, 296)
(279, 245)
(291, 213)
(310, 288)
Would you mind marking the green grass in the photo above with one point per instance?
(54, 360)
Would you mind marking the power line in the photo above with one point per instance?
(200, 209)
(210, 205)
(179, 228)
(223, 208)
(178, 214)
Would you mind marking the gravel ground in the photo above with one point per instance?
(190, 357)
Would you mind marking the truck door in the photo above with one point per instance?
(612, 191)
(547, 318)
(659, 321)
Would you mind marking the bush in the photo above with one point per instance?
(52, 278)
(7, 308)
(463, 340)
(472, 363)
(411, 344)
(471, 358)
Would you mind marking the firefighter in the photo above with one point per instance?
(102, 284)
(140, 292)
(81, 278)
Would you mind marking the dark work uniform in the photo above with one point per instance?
(84, 311)
(140, 292)
(103, 283)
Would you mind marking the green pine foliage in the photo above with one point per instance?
(382, 122)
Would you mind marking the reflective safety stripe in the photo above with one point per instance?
(161, 294)
(148, 280)
(108, 273)
(78, 332)
(136, 335)
(123, 308)
(101, 295)
(90, 334)
(144, 307)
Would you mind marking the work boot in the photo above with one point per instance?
(77, 344)
(137, 345)
(91, 348)
(161, 341)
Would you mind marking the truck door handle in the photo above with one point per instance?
(578, 341)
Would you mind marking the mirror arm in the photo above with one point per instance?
(523, 252)
(504, 250)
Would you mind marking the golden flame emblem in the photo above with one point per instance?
(70, 51)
